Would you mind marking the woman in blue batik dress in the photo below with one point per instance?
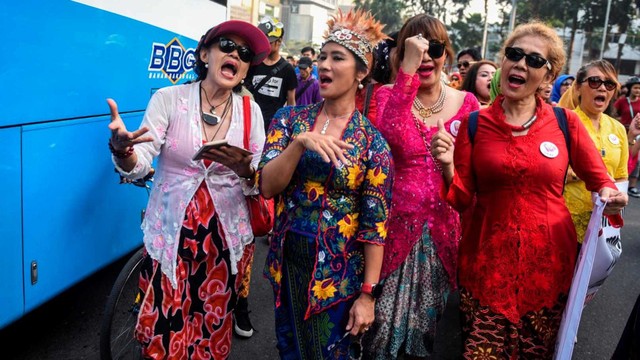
(332, 173)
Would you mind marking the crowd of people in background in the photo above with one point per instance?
(402, 172)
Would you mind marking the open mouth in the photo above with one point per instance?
(600, 100)
(325, 79)
(516, 80)
(229, 69)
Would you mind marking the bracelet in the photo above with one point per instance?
(250, 177)
(121, 154)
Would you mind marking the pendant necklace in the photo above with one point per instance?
(426, 112)
(221, 120)
(211, 117)
(326, 122)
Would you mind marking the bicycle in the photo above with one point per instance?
(117, 341)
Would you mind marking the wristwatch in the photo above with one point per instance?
(375, 290)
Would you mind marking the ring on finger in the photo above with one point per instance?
(420, 36)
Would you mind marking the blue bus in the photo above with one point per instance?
(63, 215)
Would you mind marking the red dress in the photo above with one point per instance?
(518, 252)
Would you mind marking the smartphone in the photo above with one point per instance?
(216, 144)
(209, 145)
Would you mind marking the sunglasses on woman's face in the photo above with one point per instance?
(436, 49)
(466, 64)
(595, 82)
(532, 60)
(227, 46)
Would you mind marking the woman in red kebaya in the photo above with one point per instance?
(518, 251)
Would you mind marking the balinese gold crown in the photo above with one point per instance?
(358, 31)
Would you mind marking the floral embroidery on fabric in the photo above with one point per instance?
(416, 199)
(338, 207)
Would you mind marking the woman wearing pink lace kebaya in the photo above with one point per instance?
(421, 249)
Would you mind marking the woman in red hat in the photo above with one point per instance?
(196, 227)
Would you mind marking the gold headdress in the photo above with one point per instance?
(358, 31)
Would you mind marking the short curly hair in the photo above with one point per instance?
(555, 55)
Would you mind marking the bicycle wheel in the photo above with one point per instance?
(121, 314)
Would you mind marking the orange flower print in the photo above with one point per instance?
(274, 136)
(348, 225)
(376, 177)
(355, 177)
(276, 274)
(381, 227)
(313, 189)
(324, 289)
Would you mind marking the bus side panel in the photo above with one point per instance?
(77, 217)
(68, 58)
(11, 294)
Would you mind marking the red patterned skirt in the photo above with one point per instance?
(488, 335)
(195, 320)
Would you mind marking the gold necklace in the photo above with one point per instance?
(426, 112)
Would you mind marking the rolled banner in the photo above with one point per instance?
(579, 286)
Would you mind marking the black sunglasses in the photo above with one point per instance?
(436, 49)
(466, 64)
(533, 60)
(595, 82)
(227, 46)
(566, 83)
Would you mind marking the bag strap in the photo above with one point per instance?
(630, 107)
(264, 80)
(473, 125)
(367, 99)
(246, 107)
(303, 89)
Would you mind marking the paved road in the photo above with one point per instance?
(68, 326)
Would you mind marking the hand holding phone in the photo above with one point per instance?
(215, 144)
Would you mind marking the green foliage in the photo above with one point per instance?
(466, 32)
(385, 11)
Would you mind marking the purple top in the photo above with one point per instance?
(311, 94)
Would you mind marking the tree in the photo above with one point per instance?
(467, 32)
(385, 11)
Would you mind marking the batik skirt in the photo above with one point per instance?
(322, 336)
(413, 299)
(193, 321)
(489, 335)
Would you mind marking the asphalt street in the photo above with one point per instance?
(68, 326)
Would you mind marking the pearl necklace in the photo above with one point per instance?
(326, 123)
(426, 112)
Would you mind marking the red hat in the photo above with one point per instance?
(256, 39)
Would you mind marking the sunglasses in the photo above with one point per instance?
(227, 46)
(595, 82)
(436, 49)
(535, 61)
(566, 83)
(466, 64)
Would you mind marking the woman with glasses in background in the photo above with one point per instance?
(518, 251)
(196, 227)
(596, 84)
(560, 86)
(419, 268)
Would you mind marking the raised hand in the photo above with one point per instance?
(442, 145)
(414, 49)
(329, 148)
(121, 139)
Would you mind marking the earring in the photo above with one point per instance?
(206, 65)
(242, 82)
(360, 86)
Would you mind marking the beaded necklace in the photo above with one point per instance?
(426, 112)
